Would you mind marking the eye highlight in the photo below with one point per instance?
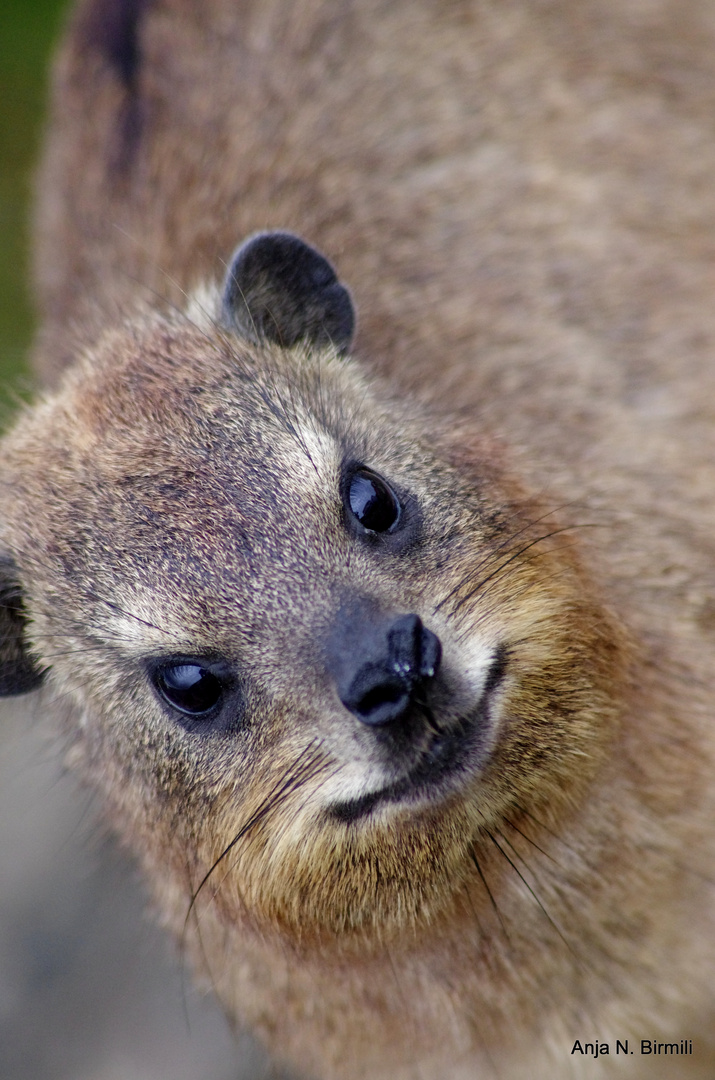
(188, 687)
(372, 502)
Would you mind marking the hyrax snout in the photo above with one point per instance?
(383, 669)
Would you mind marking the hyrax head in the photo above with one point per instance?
(316, 643)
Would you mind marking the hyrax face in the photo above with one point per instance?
(317, 646)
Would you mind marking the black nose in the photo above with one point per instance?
(382, 667)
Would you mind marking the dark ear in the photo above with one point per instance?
(18, 671)
(279, 289)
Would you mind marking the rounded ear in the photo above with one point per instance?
(280, 289)
(19, 672)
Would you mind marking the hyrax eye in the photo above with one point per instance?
(188, 687)
(372, 502)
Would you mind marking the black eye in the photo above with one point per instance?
(372, 502)
(188, 687)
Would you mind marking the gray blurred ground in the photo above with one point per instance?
(89, 988)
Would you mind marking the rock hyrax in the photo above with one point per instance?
(388, 643)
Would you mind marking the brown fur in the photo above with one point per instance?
(519, 196)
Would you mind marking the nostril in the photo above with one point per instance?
(381, 695)
(403, 643)
(414, 651)
(384, 687)
(376, 696)
(380, 666)
(431, 654)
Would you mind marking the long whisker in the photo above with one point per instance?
(548, 829)
(521, 877)
(501, 547)
(309, 763)
(489, 893)
(530, 840)
(479, 586)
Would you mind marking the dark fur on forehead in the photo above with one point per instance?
(111, 27)
(280, 289)
(112, 30)
(18, 671)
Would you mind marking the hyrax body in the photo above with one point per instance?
(390, 653)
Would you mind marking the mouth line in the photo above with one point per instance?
(446, 757)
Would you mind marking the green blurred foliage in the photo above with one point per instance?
(28, 29)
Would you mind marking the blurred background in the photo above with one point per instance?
(89, 988)
(27, 31)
